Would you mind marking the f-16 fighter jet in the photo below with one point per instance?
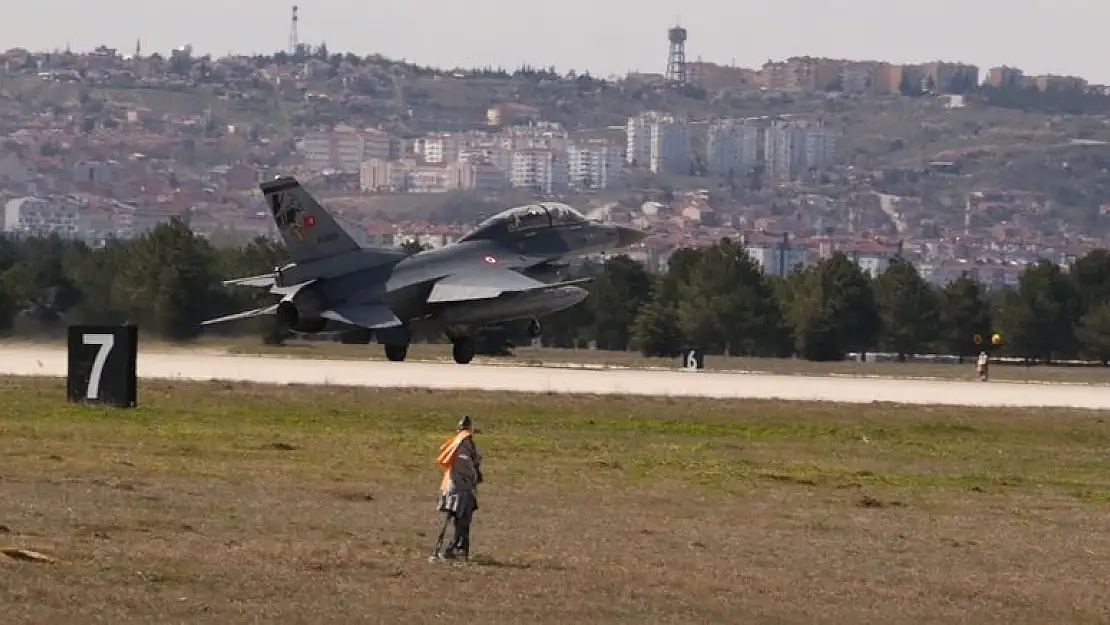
(504, 270)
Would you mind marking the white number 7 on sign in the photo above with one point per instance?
(105, 342)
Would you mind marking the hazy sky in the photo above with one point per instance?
(603, 36)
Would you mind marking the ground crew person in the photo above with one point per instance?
(982, 364)
(462, 472)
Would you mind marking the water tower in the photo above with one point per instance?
(676, 60)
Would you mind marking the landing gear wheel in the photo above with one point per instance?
(396, 353)
(463, 350)
(534, 329)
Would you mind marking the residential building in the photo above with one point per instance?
(543, 171)
(1004, 76)
(638, 132)
(732, 146)
(481, 177)
(887, 79)
(409, 176)
(775, 258)
(815, 148)
(659, 142)
(595, 164)
(345, 148)
(43, 216)
(1062, 83)
(944, 77)
(444, 147)
(378, 175)
(778, 150)
(670, 148)
(792, 148)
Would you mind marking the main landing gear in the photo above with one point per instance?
(396, 353)
(463, 349)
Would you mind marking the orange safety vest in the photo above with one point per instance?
(448, 451)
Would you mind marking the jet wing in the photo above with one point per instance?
(258, 282)
(371, 316)
(487, 284)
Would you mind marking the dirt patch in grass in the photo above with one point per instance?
(234, 503)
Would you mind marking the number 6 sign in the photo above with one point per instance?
(103, 365)
(693, 359)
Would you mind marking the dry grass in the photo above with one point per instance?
(240, 504)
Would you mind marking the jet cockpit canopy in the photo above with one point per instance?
(527, 217)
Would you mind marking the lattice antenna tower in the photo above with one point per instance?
(294, 38)
(676, 60)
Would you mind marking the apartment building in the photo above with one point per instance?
(410, 176)
(1049, 81)
(43, 216)
(346, 148)
(732, 145)
(537, 136)
(943, 77)
(543, 171)
(790, 148)
(801, 74)
(482, 177)
(815, 147)
(659, 142)
(444, 147)
(595, 164)
(775, 258)
(381, 176)
(1004, 76)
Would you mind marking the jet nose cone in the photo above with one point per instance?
(627, 237)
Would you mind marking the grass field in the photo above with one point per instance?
(238, 504)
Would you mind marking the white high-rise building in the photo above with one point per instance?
(595, 165)
(638, 151)
(542, 171)
(670, 148)
(815, 147)
(659, 142)
(778, 150)
(732, 145)
(792, 148)
(444, 147)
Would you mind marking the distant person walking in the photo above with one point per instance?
(982, 365)
(462, 473)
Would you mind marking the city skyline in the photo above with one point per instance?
(988, 34)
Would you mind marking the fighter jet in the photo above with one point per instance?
(504, 270)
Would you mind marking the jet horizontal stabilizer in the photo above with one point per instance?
(247, 314)
(259, 282)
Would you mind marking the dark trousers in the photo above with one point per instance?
(460, 507)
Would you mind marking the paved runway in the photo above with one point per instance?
(45, 361)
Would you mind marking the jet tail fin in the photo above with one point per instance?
(309, 231)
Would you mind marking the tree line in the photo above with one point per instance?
(716, 298)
